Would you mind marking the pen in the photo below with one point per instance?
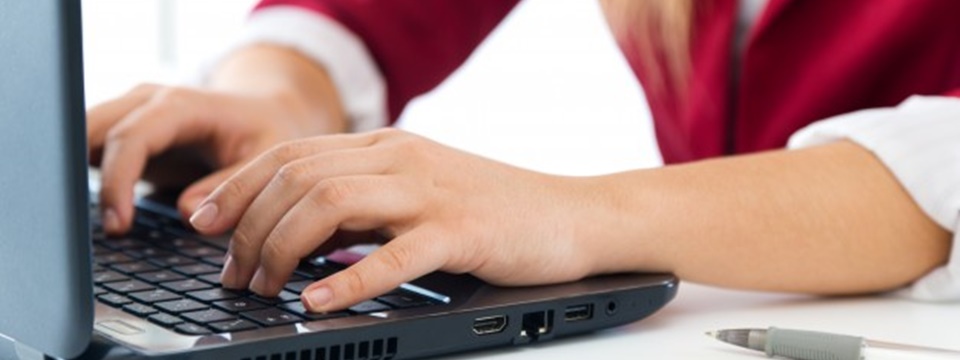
(812, 345)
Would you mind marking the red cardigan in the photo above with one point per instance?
(805, 61)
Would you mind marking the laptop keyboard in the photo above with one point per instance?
(163, 274)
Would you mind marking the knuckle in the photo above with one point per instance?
(413, 144)
(173, 96)
(329, 193)
(293, 175)
(273, 248)
(117, 133)
(386, 133)
(241, 241)
(285, 152)
(232, 189)
(143, 89)
(396, 260)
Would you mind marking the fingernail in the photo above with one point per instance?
(228, 276)
(318, 297)
(259, 282)
(111, 221)
(205, 216)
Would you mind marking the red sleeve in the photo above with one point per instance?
(954, 93)
(416, 43)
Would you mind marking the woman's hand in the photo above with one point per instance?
(447, 209)
(249, 108)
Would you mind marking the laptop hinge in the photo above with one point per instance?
(25, 352)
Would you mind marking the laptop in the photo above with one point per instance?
(68, 291)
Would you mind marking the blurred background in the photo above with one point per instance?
(547, 91)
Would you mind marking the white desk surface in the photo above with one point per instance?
(677, 331)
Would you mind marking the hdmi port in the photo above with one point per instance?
(578, 313)
(489, 325)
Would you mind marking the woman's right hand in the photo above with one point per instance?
(223, 130)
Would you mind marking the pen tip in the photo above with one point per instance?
(712, 334)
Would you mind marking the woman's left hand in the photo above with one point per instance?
(446, 209)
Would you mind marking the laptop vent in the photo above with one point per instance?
(379, 349)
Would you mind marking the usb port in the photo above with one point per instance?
(489, 324)
(578, 312)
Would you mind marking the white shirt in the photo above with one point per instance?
(918, 141)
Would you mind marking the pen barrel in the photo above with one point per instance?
(811, 345)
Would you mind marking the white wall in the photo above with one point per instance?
(547, 91)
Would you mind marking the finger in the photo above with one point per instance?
(232, 198)
(199, 190)
(348, 203)
(145, 132)
(404, 259)
(288, 187)
(102, 117)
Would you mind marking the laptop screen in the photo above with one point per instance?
(46, 296)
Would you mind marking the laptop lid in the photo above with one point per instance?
(46, 302)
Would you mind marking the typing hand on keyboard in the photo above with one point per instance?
(449, 211)
(217, 129)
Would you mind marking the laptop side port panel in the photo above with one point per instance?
(489, 325)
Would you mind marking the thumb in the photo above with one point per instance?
(201, 189)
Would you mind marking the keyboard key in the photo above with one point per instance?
(164, 319)
(99, 290)
(146, 221)
(369, 306)
(134, 267)
(114, 299)
(212, 279)
(285, 296)
(299, 309)
(157, 277)
(214, 295)
(151, 236)
(128, 286)
(208, 316)
(196, 269)
(316, 272)
(201, 252)
(180, 306)
(154, 219)
(217, 261)
(188, 285)
(171, 260)
(238, 305)
(298, 286)
(122, 243)
(154, 296)
(233, 325)
(178, 244)
(108, 276)
(148, 252)
(271, 317)
(100, 250)
(404, 300)
(140, 310)
(112, 258)
(191, 329)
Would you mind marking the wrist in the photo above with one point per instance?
(284, 78)
(616, 228)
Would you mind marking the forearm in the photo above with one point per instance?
(825, 220)
(287, 76)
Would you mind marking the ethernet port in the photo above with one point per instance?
(536, 324)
